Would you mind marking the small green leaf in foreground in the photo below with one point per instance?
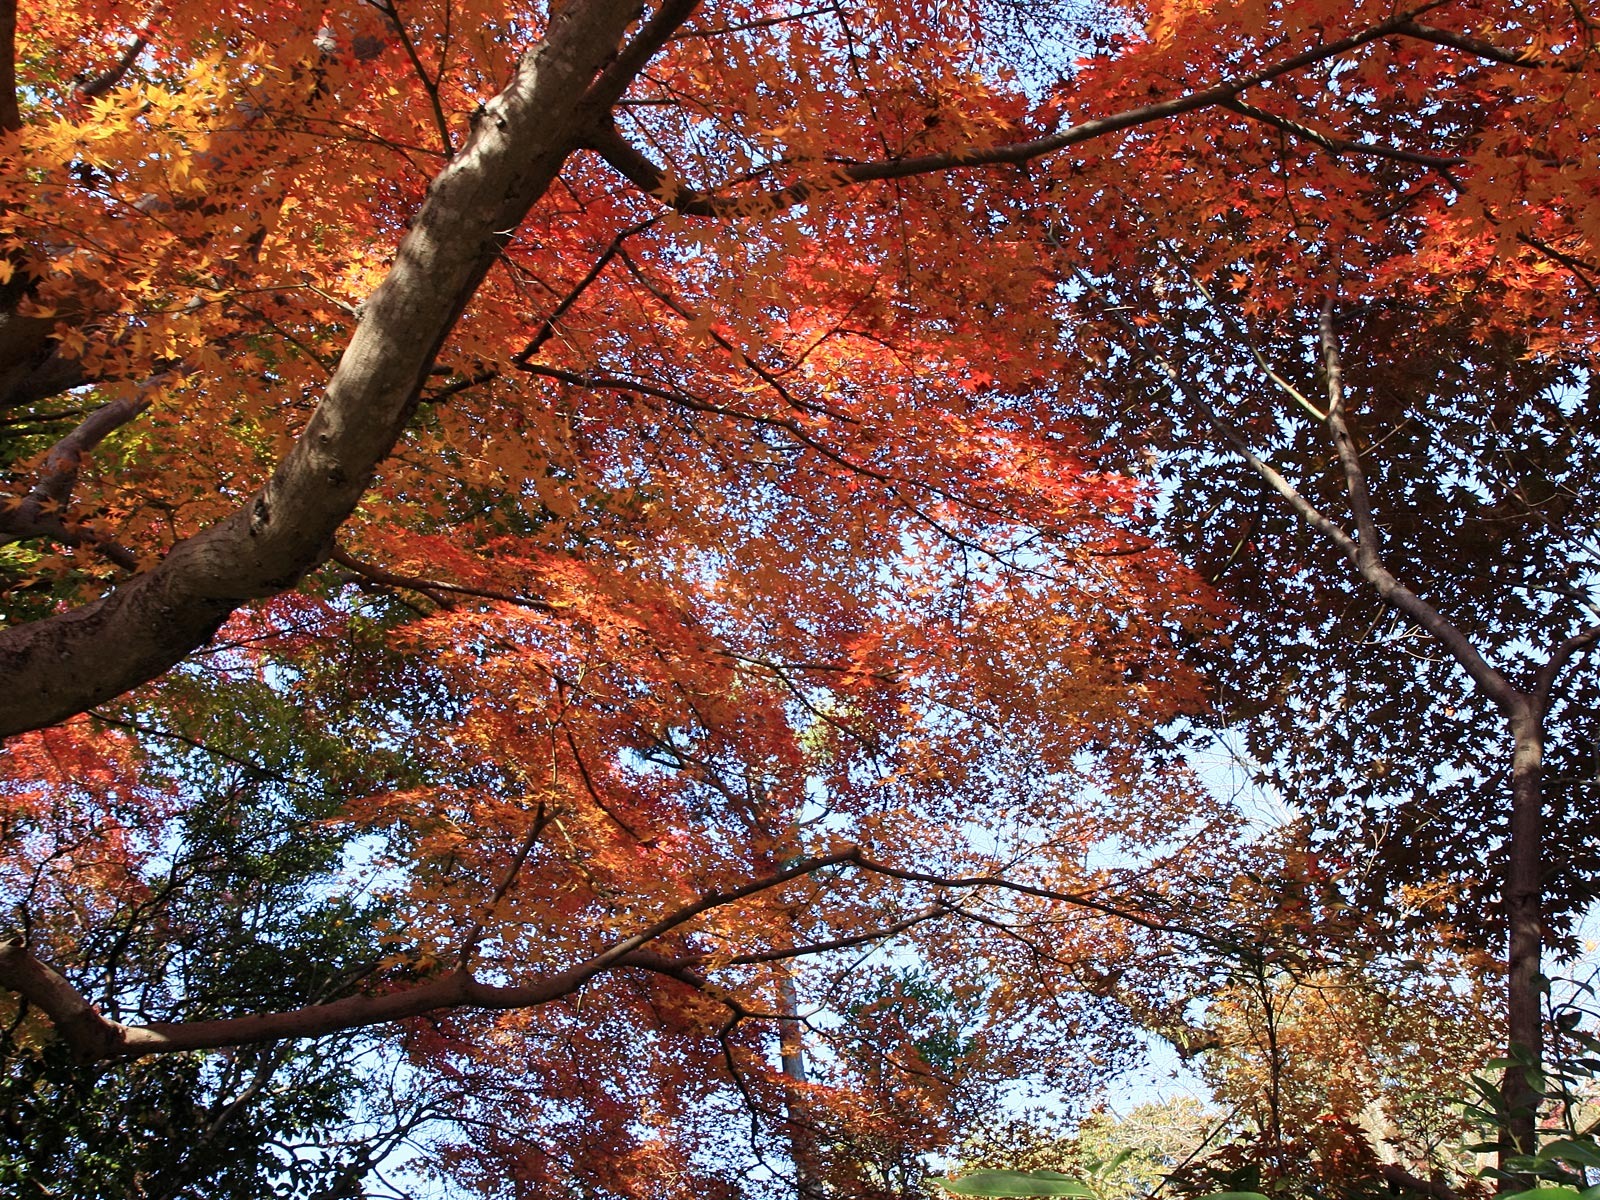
(1016, 1183)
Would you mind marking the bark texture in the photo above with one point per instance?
(58, 667)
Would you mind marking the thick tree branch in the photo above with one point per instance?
(92, 1036)
(42, 513)
(621, 71)
(563, 90)
(99, 85)
(31, 365)
(78, 1021)
(58, 474)
(1399, 1177)
(64, 664)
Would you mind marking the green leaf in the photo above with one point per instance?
(1586, 1153)
(1016, 1183)
(1544, 1193)
(1121, 1157)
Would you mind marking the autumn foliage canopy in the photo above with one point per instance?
(602, 549)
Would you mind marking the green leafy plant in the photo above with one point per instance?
(1016, 1183)
(1055, 1183)
(1567, 1147)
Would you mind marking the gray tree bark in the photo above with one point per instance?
(58, 667)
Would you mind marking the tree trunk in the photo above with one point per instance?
(792, 1051)
(1525, 942)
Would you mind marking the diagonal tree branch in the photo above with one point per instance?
(1479, 48)
(58, 474)
(435, 589)
(1564, 653)
(1335, 144)
(99, 85)
(69, 662)
(1367, 552)
(43, 512)
(92, 1036)
(632, 164)
(79, 1022)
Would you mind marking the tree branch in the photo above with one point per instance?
(999, 882)
(1366, 554)
(58, 474)
(430, 586)
(1545, 680)
(99, 85)
(66, 663)
(430, 84)
(563, 89)
(1477, 47)
(1275, 479)
(78, 1021)
(1369, 547)
(1340, 145)
(634, 166)
(1398, 1176)
(43, 512)
(474, 935)
(931, 912)
(547, 327)
(1363, 555)
(92, 1036)
(1581, 271)
(52, 526)
(625, 66)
